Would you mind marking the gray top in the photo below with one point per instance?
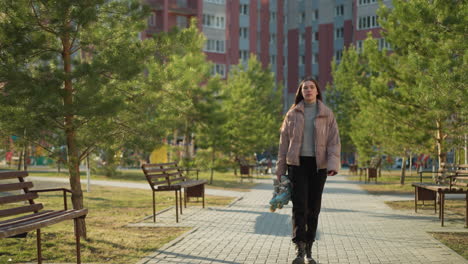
(308, 138)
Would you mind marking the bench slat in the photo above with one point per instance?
(149, 165)
(21, 210)
(174, 180)
(173, 174)
(193, 183)
(12, 174)
(153, 171)
(31, 216)
(15, 186)
(28, 225)
(159, 176)
(158, 182)
(18, 198)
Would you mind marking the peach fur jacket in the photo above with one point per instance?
(327, 139)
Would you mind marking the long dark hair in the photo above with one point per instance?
(300, 97)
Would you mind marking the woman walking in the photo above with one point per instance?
(309, 149)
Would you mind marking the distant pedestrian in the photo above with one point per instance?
(309, 149)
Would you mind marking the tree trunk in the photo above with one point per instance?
(466, 149)
(187, 142)
(440, 137)
(411, 164)
(70, 132)
(212, 165)
(25, 158)
(25, 153)
(20, 160)
(403, 169)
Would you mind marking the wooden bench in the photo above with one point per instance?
(23, 218)
(246, 171)
(353, 168)
(458, 183)
(439, 176)
(163, 177)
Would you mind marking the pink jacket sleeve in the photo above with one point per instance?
(333, 146)
(283, 149)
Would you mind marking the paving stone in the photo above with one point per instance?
(354, 227)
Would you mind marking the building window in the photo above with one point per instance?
(383, 44)
(243, 55)
(302, 60)
(359, 45)
(221, 2)
(272, 38)
(338, 55)
(366, 2)
(315, 58)
(213, 21)
(315, 15)
(181, 21)
(302, 38)
(272, 16)
(152, 19)
(315, 37)
(244, 9)
(339, 32)
(273, 59)
(302, 18)
(215, 46)
(339, 10)
(366, 22)
(243, 32)
(219, 69)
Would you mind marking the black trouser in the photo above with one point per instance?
(307, 188)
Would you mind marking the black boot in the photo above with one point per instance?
(300, 253)
(308, 252)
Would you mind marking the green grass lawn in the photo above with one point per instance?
(458, 242)
(109, 241)
(389, 182)
(221, 180)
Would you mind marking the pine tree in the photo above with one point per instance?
(253, 108)
(67, 68)
(429, 65)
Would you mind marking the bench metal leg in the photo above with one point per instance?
(203, 191)
(39, 248)
(154, 207)
(77, 241)
(415, 199)
(180, 200)
(442, 209)
(177, 207)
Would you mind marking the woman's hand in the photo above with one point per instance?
(332, 173)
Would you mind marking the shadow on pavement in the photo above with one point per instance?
(190, 259)
(265, 222)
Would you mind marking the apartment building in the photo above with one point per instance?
(295, 38)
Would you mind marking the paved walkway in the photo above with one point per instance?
(354, 227)
(132, 185)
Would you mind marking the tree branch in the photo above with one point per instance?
(39, 22)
